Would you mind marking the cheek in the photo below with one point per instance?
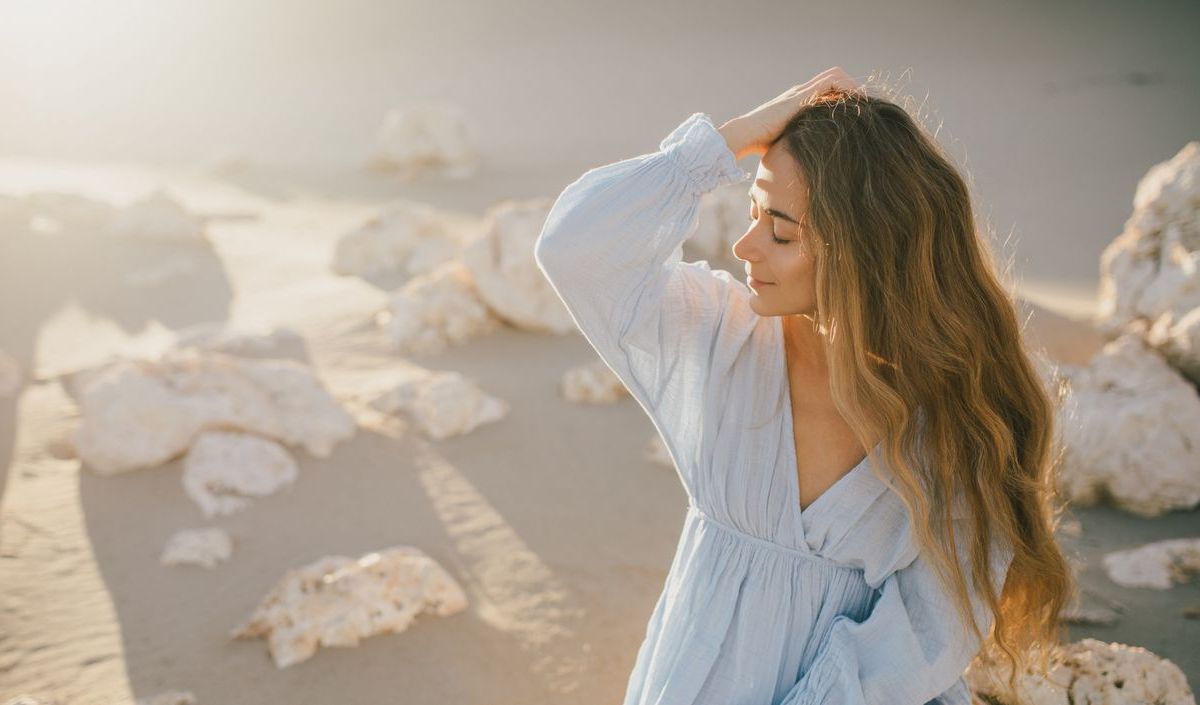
(796, 270)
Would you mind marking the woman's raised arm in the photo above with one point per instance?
(611, 249)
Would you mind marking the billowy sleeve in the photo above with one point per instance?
(611, 247)
(910, 649)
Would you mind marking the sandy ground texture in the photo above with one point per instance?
(556, 524)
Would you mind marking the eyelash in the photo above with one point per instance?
(777, 240)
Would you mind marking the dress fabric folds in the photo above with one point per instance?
(764, 603)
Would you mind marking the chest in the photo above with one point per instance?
(826, 447)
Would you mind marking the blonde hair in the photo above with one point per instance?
(925, 351)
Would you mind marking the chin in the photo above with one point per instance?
(760, 307)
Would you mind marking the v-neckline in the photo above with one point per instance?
(790, 432)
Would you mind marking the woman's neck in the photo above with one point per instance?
(805, 346)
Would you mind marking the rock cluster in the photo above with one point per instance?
(155, 216)
(336, 601)
(443, 404)
(421, 139)
(1087, 671)
(1131, 420)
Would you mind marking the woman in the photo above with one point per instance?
(871, 318)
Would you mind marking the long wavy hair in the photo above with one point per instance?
(925, 351)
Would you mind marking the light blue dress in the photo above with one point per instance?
(764, 604)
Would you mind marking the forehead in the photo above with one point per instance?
(780, 179)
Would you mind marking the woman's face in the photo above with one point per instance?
(772, 248)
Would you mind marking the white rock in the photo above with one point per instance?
(336, 601)
(158, 216)
(155, 216)
(592, 383)
(1153, 267)
(1154, 565)
(1131, 430)
(171, 697)
(1087, 671)
(1070, 527)
(142, 413)
(1088, 605)
(223, 468)
(58, 211)
(10, 375)
(161, 272)
(436, 309)
(427, 137)
(1179, 341)
(656, 452)
(506, 273)
(408, 237)
(443, 404)
(277, 342)
(1080, 614)
(204, 547)
(723, 216)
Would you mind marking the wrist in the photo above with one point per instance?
(736, 138)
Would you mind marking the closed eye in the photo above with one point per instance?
(777, 240)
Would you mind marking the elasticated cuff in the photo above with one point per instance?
(702, 153)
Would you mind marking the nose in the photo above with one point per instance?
(744, 249)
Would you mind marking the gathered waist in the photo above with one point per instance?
(741, 536)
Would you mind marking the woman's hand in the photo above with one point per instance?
(752, 132)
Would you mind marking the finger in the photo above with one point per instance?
(818, 78)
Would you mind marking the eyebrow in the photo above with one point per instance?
(771, 211)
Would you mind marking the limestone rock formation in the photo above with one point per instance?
(337, 600)
(1083, 614)
(408, 237)
(1150, 274)
(158, 216)
(278, 342)
(138, 413)
(1087, 671)
(442, 404)
(723, 217)
(592, 383)
(223, 469)
(1179, 341)
(1155, 565)
(55, 211)
(426, 138)
(436, 309)
(1131, 430)
(203, 547)
(506, 273)
(160, 273)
